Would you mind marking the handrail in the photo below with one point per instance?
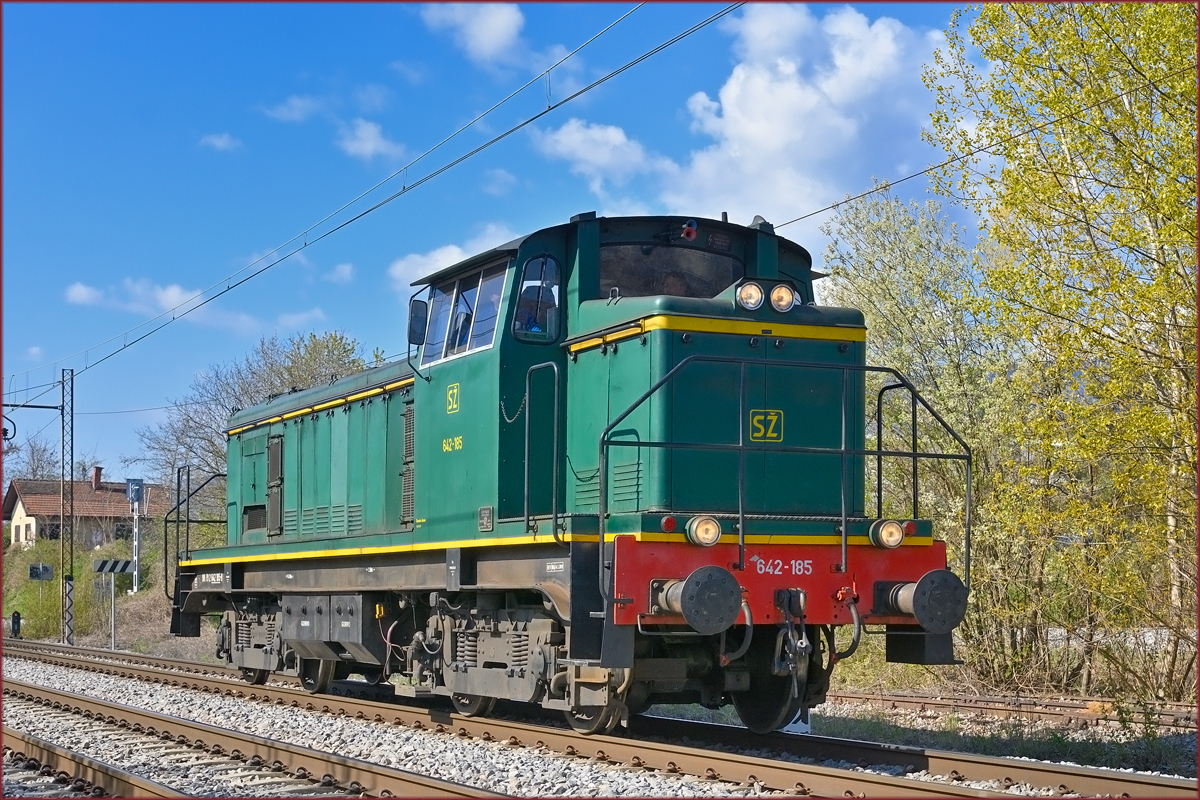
(555, 461)
(186, 521)
(843, 451)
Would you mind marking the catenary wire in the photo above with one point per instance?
(29, 439)
(304, 234)
(529, 121)
(39, 395)
(988, 146)
(308, 243)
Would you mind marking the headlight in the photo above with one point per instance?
(703, 531)
(886, 533)
(750, 296)
(782, 297)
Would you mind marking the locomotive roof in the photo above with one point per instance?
(511, 247)
(370, 381)
(473, 261)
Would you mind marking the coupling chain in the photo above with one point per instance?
(504, 413)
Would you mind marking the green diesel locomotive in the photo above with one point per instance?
(626, 463)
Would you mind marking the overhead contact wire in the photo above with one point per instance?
(332, 214)
(308, 243)
(989, 146)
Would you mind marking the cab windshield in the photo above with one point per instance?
(640, 270)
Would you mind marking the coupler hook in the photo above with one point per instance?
(741, 651)
(790, 645)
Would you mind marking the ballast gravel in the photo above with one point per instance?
(493, 766)
(519, 771)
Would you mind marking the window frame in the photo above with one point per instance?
(738, 262)
(522, 334)
(447, 352)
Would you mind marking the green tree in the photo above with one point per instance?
(905, 267)
(1087, 192)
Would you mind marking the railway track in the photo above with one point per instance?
(281, 767)
(1078, 713)
(41, 768)
(654, 743)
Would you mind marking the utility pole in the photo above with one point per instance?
(66, 528)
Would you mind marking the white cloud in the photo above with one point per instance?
(34, 353)
(866, 56)
(811, 108)
(625, 207)
(489, 33)
(342, 273)
(413, 73)
(498, 181)
(493, 234)
(406, 269)
(372, 97)
(765, 32)
(302, 319)
(220, 141)
(599, 152)
(80, 294)
(146, 298)
(295, 109)
(365, 140)
(152, 297)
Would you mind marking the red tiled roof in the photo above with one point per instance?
(43, 499)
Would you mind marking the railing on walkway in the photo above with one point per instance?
(185, 493)
(844, 451)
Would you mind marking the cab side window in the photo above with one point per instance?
(462, 314)
(440, 298)
(537, 317)
(487, 309)
(460, 320)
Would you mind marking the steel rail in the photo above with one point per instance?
(361, 701)
(84, 772)
(329, 769)
(66, 656)
(1063, 778)
(668, 757)
(1084, 711)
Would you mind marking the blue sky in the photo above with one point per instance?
(151, 151)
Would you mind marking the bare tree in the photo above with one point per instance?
(194, 431)
(35, 458)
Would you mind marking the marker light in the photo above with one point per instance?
(668, 524)
(910, 528)
(886, 533)
(750, 295)
(689, 230)
(703, 531)
(782, 297)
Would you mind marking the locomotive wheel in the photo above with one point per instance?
(472, 705)
(591, 719)
(768, 705)
(254, 676)
(316, 674)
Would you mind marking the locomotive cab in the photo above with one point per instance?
(627, 463)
